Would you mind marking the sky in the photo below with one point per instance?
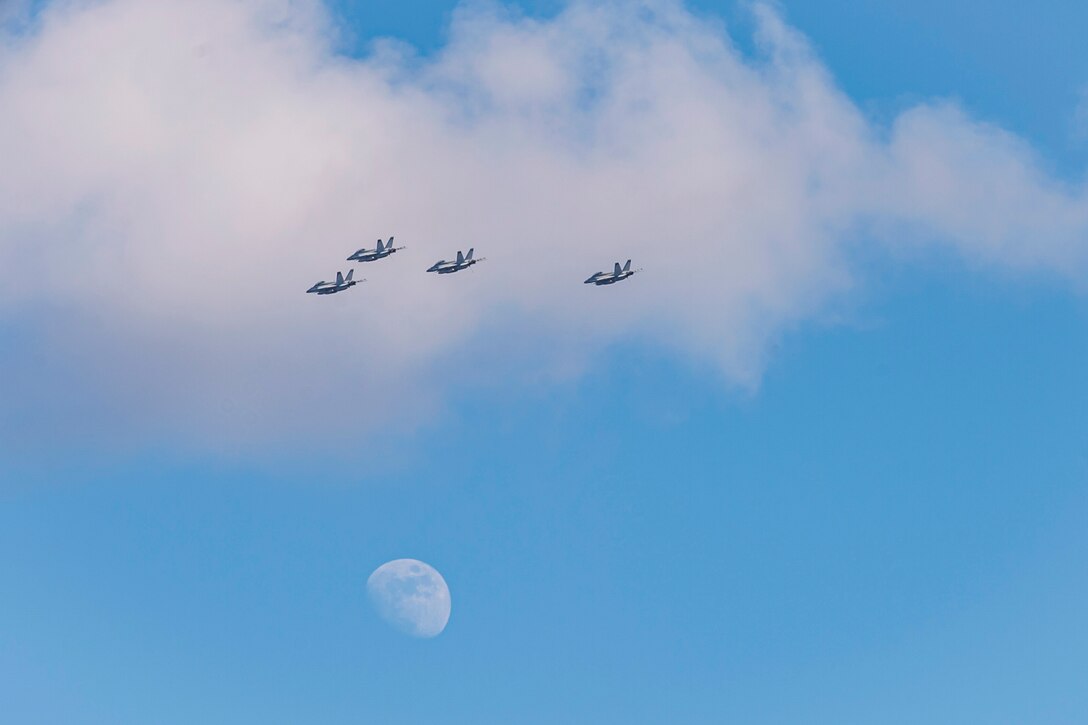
(825, 460)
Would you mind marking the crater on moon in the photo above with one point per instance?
(410, 595)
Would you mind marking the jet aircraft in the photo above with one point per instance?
(464, 261)
(618, 274)
(370, 255)
(329, 288)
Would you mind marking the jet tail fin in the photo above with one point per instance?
(339, 278)
(380, 246)
(627, 267)
(351, 273)
(469, 255)
(460, 256)
(616, 270)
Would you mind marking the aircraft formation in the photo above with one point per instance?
(463, 261)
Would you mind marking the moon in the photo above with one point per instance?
(411, 596)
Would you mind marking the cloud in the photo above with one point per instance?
(177, 173)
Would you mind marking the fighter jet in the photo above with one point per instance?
(370, 255)
(464, 261)
(618, 274)
(330, 288)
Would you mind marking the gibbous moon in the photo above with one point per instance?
(411, 596)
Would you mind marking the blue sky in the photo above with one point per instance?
(888, 527)
(1016, 64)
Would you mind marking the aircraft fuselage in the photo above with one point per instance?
(331, 289)
(608, 278)
(452, 267)
(370, 255)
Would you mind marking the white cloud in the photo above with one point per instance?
(176, 174)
